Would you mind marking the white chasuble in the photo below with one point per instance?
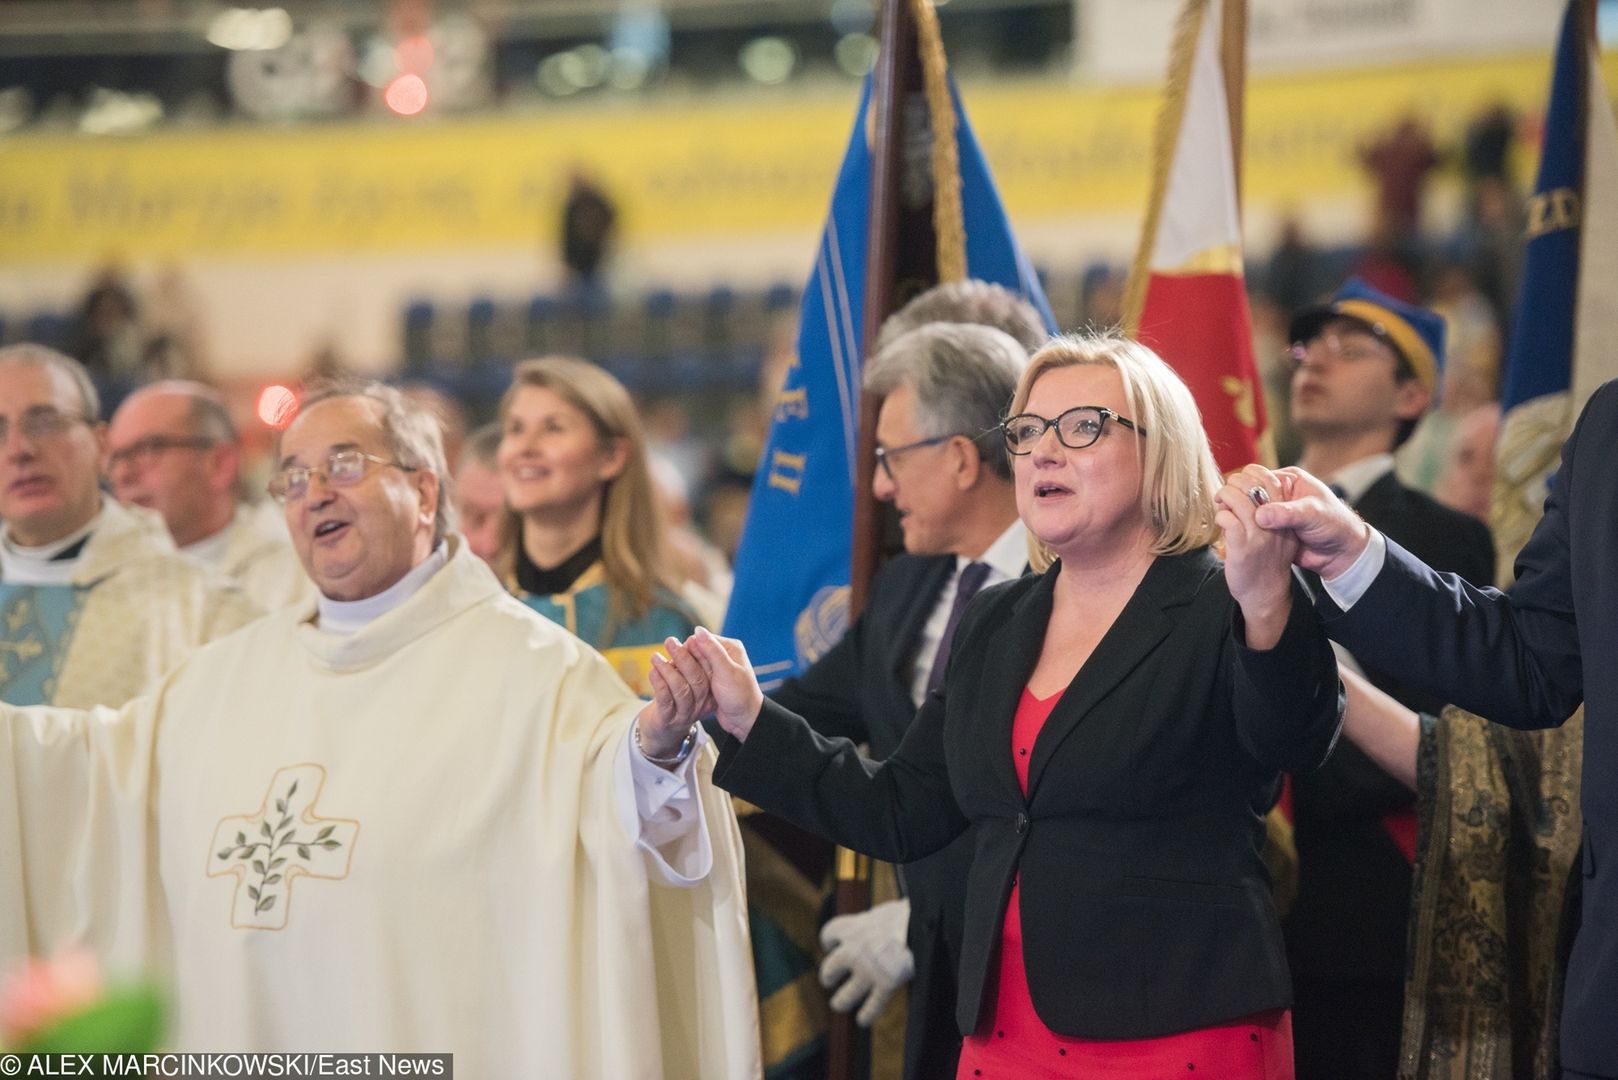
(255, 551)
(404, 839)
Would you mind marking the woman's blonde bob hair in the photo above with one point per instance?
(1178, 474)
(631, 529)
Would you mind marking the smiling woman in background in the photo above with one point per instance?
(582, 542)
(1111, 732)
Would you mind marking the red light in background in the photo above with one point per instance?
(277, 406)
(406, 95)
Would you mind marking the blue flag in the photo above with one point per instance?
(1540, 360)
(1567, 307)
(791, 598)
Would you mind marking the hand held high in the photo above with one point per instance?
(1330, 535)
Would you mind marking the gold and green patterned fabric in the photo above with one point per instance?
(36, 625)
(787, 888)
(582, 609)
(1498, 833)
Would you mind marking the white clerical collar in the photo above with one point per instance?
(39, 565)
(211, 550)
(1007, 556)
(351, 616)
(1357, 478)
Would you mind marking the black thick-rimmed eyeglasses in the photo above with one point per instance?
(885, 456)
(343, 468)
(1076, 428)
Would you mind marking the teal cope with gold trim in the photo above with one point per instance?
(36, 626)
(627, 647)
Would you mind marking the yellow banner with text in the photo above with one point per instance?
(713, 168)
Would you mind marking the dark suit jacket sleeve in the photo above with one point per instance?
(1513, 658)
(899, 810)
(1288, 700)
(1474, 551)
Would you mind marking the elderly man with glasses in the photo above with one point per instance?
(942, 465)
(95, 603)
(410, 815)
(172, 447)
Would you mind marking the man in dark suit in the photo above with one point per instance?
(942, 466)
(1525, 658)
(1366, 367)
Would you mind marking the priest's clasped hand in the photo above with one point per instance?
(679, 699)
(708, 674)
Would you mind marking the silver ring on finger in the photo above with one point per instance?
(1258, 495)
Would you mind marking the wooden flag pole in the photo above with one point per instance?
(1233, 63)
(896, 63)
(896, 73)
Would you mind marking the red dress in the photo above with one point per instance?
(1018, 1045)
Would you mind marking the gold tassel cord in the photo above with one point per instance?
(948, 219)
(1181, 54)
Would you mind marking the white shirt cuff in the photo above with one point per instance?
(1346, 588)
(661, 812)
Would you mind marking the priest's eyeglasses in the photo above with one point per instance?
(344, 468)
(40, 422)
(143, 452)
(1076, 428)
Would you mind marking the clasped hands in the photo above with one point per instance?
(705, 674)
(1272, 519)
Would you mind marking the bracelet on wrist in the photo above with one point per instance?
(687, 744)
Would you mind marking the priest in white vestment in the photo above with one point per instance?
(410, 816)
(172, 447)
(95, 603)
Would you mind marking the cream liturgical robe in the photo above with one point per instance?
(131, 610)
(255, 552)
(405, 839)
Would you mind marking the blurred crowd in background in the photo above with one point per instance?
(704, 366)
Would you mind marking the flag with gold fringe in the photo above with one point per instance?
(1187, 299)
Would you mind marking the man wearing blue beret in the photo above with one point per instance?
(1366, 367)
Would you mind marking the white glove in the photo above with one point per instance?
(866, 952)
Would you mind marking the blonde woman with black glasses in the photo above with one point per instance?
(1110, 731)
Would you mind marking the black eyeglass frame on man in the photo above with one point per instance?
(885, 456)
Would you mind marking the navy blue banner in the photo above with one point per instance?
(790, 602)
(1540, 360)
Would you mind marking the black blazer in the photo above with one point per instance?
(1145, 903)
(1352, 913)
(1527, 658)
(860, 690)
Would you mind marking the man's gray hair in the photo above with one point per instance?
(963, 377)
(27, 352)
(414, 434)
(971, 301)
